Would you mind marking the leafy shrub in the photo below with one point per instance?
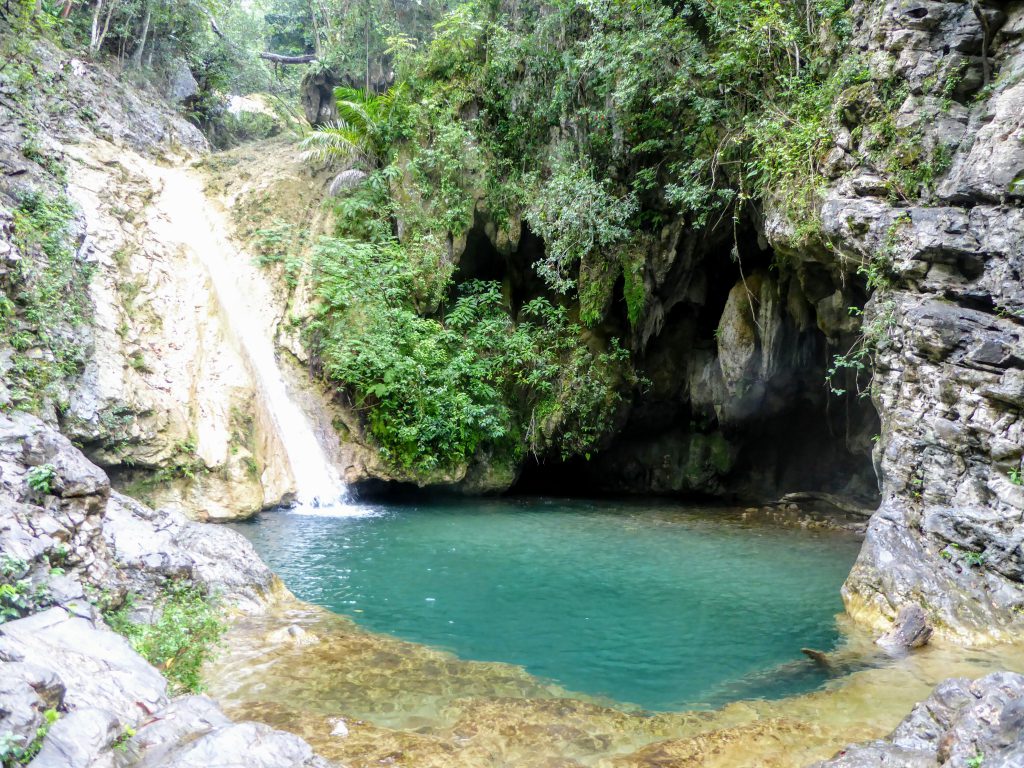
(435, 391)
(40, 479)
(18, 595)
(576, 215)
(364, 130)
(184, 635)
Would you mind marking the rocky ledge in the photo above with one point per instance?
(69, 685)
(961, 725)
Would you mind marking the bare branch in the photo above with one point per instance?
(279, 59)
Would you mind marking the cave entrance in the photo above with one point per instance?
(512, 266)
(738, 407)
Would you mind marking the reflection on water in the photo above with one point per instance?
(369, 699)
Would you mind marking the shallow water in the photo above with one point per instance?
(653, 605)
(368, 699)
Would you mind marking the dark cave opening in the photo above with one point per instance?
(735, 406)
(512, 266)
(778, 429)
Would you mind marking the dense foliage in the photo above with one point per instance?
(436, 390)
(595, 122)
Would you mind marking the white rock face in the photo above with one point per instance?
(167, 384)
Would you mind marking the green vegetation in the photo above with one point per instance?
(963, 555)
(855, 367)
(641, 113)
(47, 299)
(604, 126)
(40, 479)
(276, 244)
(121, 742)
(436, 390)
(361, 132)
(577, 216)
(184, 464)
(187, 629)
(13, 753)
(19, 596)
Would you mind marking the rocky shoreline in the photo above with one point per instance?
(111, 706)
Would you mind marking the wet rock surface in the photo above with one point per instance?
(962, 723)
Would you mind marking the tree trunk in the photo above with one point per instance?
(137, 55)
(106, 24)
(94, 36)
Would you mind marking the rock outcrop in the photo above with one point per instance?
(945, 326)
(962, 723)
(69, 545)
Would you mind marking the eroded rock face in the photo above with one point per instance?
(962, 723)
(160, 394)
(946, 324)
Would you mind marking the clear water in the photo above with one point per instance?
(656, 605)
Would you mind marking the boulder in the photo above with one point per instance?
(94, 664)
(181, 83)
(960, 724)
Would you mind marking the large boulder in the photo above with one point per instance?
(961, 724)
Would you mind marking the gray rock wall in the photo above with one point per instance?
(945, 325)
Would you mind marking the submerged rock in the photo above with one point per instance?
(910, 630)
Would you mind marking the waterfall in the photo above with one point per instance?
(199, 228)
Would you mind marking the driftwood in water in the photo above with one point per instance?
(818, 657)
(910, 630)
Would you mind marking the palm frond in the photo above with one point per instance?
(339, 141)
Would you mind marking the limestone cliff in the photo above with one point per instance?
(946, 320)
(160, 394)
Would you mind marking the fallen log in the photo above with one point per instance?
(277, 58)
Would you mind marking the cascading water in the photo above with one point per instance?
(318, 485)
